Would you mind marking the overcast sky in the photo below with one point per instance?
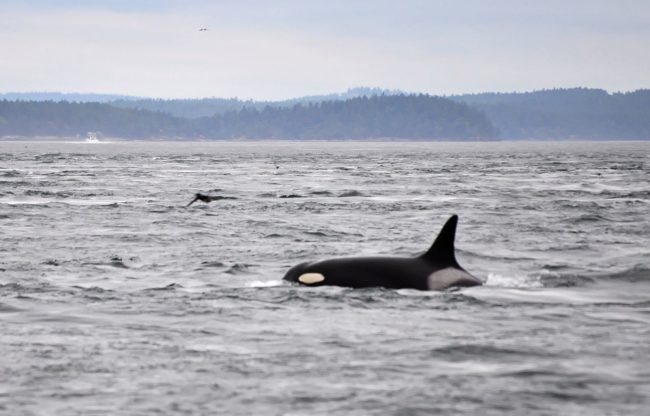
(279, 49)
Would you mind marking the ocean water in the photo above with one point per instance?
(117, 299)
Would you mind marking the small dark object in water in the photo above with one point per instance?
(206, 198)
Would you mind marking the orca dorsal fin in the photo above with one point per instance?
(442, 250)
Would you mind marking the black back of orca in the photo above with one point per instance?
(437, 269)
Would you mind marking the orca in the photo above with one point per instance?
(436, 269)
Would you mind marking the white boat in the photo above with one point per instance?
(91, 137)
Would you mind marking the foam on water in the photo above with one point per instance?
(499, 280)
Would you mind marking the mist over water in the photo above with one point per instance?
(116, 299)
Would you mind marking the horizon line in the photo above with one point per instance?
(393, 92)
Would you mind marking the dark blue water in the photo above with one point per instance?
(116, 299)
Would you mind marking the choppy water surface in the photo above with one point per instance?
(116, 299)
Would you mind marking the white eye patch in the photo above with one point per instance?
(311, 278)
(442, 279)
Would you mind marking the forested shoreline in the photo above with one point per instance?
(419, 117)
(362, 113)
(576, 113)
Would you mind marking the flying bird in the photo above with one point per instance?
(203, 29)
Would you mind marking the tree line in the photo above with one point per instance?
(68, 119)
(420, 117)
(206, 107)
(575, 113)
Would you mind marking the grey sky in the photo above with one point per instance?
(281, 49)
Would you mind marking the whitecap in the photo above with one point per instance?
(265, 283)
(501, 280)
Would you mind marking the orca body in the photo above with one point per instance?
(437, 269)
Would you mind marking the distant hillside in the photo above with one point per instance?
(578, 113)
(402, 116)
(420, 117)
(559, 114)
(189, 108)
(207, 107)
(65, 119)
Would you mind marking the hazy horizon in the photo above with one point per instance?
(332, 93)
(286, 49)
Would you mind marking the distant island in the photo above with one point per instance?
(577, 113)
(361, 113)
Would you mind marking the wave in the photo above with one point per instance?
(634, 274)
(463, 352)
(265, 283)
(4, 308)
(239, 268)
(332, 234)
(48, 194)
(641, 195)
(15, 184)
(10, 173)
(51, 157)
(275, 235)
(344, 194)
(211, 264)
(351, 193)
(20, 288)
(545, 279)
(518, 281)
(321, 193)
(114, 261)
(171, 286)
(558, 280)
(587, 218)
